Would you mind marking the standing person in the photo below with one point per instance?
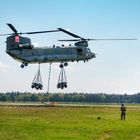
(123, 112)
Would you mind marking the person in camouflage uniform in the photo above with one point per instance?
(123, 112)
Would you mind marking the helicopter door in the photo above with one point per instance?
(79, 51)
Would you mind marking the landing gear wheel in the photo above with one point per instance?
(26, 64)
(22, 66)
(65, 64)
(61, 66)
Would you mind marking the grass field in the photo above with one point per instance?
(68, 123)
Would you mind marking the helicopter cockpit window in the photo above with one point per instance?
(88, 50)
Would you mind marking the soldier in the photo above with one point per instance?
(123, 110)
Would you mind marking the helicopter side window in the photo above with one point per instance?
(25, 43)
(79, 51)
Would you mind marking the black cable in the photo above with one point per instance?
(49, 77)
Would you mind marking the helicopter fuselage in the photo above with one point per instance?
(23, 51)
(50, 55)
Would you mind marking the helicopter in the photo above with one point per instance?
(21, 49)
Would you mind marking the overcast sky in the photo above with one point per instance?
(116, 68)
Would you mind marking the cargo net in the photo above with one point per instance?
(37, 81)
(62, 80)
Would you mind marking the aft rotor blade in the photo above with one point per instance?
(6, 34)
(69, 33)
(113, 39)
(12, 28)
(39, 32)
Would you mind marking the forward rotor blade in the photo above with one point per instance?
(113, 39)
(69, 40)
(82, 39)
(12, 28)
(39, 32)
(69, 33)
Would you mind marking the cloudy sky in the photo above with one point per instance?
(116, 68)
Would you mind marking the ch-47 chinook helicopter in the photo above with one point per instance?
(21, 49)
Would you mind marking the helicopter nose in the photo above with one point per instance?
(93, 55)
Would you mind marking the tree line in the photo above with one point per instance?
(69, 97)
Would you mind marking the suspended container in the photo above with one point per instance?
(62, 80)
(37, 81)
